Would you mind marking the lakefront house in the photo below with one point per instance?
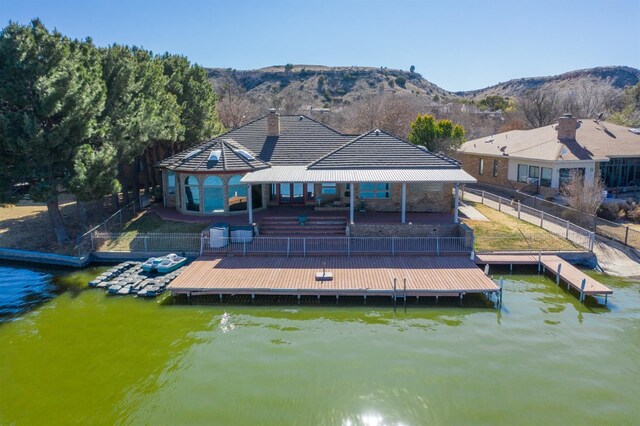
(296, 162)
(542, 160)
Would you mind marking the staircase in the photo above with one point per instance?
(316, 226)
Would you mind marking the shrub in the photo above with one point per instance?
(634, 214)
(401, 81)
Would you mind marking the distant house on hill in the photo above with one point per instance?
(542, 159)
(296, 161)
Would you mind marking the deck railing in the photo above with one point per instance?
(313, 246)
(282, 246)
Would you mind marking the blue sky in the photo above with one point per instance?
(458, 45)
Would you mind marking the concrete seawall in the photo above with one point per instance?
(46, 258)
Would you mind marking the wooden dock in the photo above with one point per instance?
(352, 276)
(563, 271)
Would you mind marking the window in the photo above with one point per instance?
(311, 192)
(237, 194)
(495, 168)
(567, 174)
(329, 188)
(545, 177)
(481, 166)
(375, 190)
(273, 192)
(523, 172)
(213, 194)
(534, 173)
(192, 194)
(171, 183)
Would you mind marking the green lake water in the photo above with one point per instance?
(82, 357)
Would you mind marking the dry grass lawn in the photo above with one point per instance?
(505, 232)
(146, 223)
(27, 226)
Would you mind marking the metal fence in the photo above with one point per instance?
(154, 242)
(556, 225)
(313, 246)
(282, 246)
(620, 232)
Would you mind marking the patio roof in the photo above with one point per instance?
(277, 174)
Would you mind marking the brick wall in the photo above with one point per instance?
(471, 165)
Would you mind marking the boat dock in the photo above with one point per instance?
(396, 277)
(563, 271)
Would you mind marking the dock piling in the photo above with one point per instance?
(558, 274)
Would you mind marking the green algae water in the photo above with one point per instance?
(85, 358)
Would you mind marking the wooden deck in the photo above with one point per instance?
(568, 273)
(352, 276)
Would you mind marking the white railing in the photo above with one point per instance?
(313, 246)
(558, 226)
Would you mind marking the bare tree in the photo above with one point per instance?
(234, 111)
(539, 107)
(583, 196)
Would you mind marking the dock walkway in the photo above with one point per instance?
(567, 272)
(352, 276)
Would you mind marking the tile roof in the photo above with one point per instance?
(594, 141)
(378, 149)
(301, 141)
(203, 158)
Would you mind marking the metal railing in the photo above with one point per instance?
(152, 242)
(314, 246)
(556, 225)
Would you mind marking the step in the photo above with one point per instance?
(313, 232)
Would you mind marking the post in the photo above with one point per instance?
(482, 197)
(592, 241)
(542, 219)
(438, 246)
(456, 202)
(405, 295)
(352, 198)
(304, 247)
(394, 294)
(539, 261)
(499, 203)
(519, 205)
(404, 203)
(566, 236)
(582, 286)
(91, 236)
(250, 204)
(626, 235)
(288, 246)
(558, 274)
(201, 244)
(145, 243)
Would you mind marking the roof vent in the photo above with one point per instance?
(193, 153)
(635, 130)
(215, 155)
(245, 154)
(489, 139)
(424, 148)
(301, 117)
(377, 132)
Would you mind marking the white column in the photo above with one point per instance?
(455, 203)
(404, 203)
(352, 190)
(250, 203)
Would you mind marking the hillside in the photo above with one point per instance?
(319, 86)
(614, 77)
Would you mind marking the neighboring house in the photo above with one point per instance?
(543, 159)
(296, 161)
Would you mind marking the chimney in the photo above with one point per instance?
(567, 127)
(273, 123)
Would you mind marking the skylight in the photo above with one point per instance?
(215, 155)
(193, 153)
(245, 154)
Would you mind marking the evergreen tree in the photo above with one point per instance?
(436, 135)
(51, 93)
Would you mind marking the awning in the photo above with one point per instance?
(278, 174)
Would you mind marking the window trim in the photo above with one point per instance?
(481, 167)
(526, 175)
(374, 191)
(329, 188)
(495, 168)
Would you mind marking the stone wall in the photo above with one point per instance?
(406, 230)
